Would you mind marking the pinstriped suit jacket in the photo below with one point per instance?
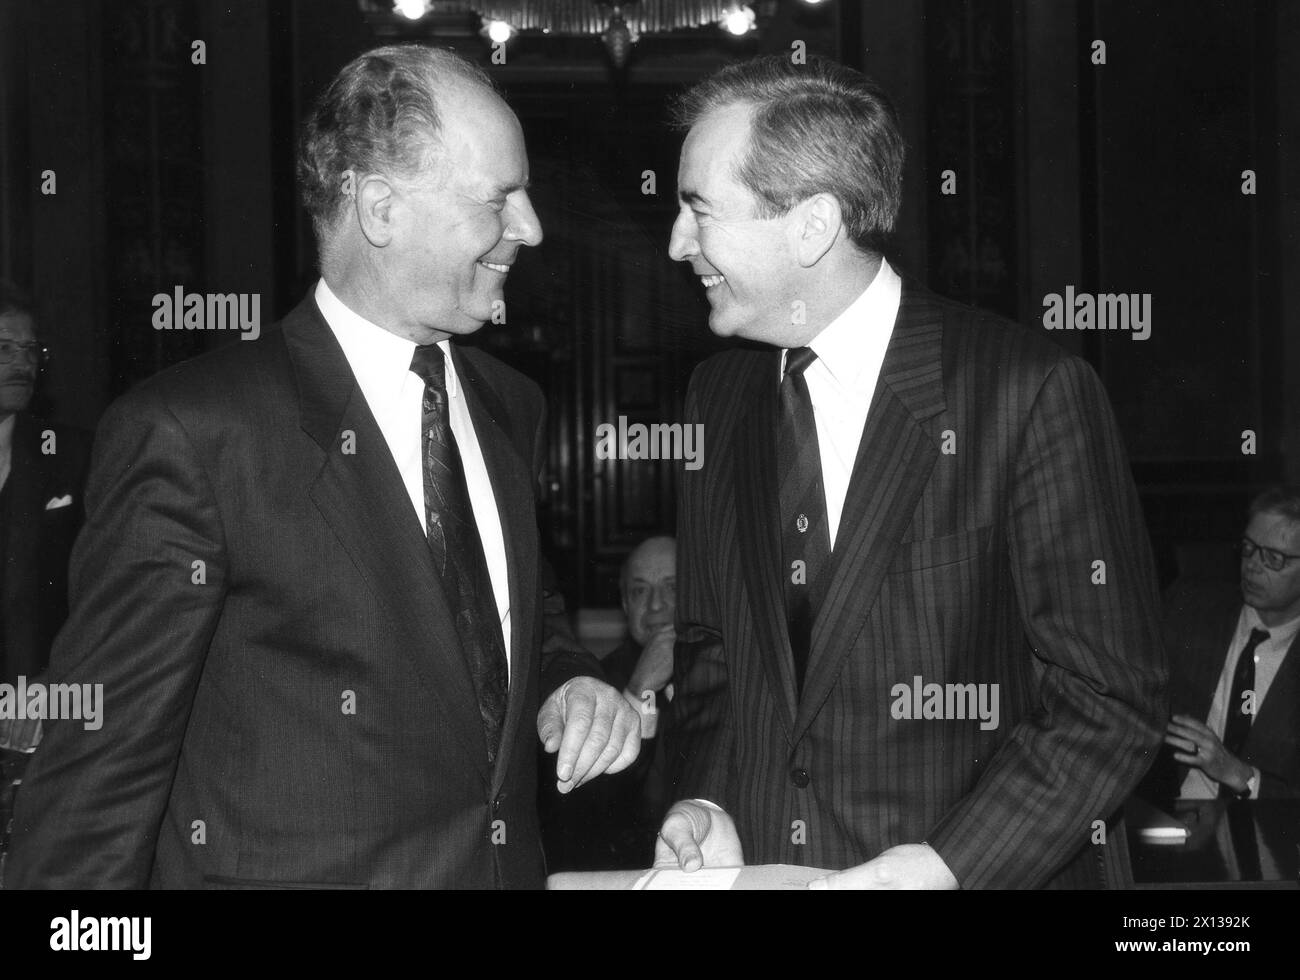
(971, 566)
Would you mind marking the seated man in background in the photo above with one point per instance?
(612, 824)
(642, 667)
(643, 662)
(42, 473)
(1234, 678)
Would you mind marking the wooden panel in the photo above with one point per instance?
(1172, 222)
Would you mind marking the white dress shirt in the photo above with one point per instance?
(850, 350)
(1268, 658)
(381, 363)
(6, 448)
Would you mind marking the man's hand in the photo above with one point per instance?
(594, 729)
(654, 668)
(1196, 745)
(695, 835)
(903, 866)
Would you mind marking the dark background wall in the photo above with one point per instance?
(1119, 177)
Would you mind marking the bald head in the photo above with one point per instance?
(649, 586)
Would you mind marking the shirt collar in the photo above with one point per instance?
(845, 344)
(1279, 637)
(380, 359)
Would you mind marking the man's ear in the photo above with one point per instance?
(373, 202)
(816, 228)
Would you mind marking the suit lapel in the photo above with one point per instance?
(1276, 718)
(1204, 674)
(893, 465)
(362, 497)
(512, 487)
(26, 484)
(758, 528)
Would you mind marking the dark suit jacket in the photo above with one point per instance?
(38, 541)
(227, 758)
(974, 566)
(1199, 625)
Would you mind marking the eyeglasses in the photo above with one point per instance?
(11, 351)
(1273, 559)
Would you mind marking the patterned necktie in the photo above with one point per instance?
(458, 550)
(805, 535)
(1237, 728)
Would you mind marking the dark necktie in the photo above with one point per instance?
(458, 550)
(805, 536)
(1237, 727)
(1241, 822)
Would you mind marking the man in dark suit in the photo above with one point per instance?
(1234, 672)
(42, 474)
(614, 823)
(308, 579)
(918, 637)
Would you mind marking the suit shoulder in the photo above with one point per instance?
(722, 370)
(500, 374)
(70, 438)
(1201, 601)
(60, 451)
(234, 378)
(988, 348)
(979, 334)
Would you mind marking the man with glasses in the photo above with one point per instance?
(42, 471)
(1235, 682)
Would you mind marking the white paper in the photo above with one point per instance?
(674, 879)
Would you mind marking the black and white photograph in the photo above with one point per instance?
(585, 446)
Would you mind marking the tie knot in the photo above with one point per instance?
(429, 363)
(1258, 636)
(797, 360)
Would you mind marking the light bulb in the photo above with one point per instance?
(738, 21)
(411, 9)
(499, 32)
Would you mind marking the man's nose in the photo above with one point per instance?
(681, 243)
(525, 226)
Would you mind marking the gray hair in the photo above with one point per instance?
(815, 128)
(379, 115)
(1282, 500)
(15, 299)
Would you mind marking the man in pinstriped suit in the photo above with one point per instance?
(904, 496)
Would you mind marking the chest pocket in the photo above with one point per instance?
(951, 549)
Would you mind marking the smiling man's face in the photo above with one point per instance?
(17, 376)
(746, 263)
(460, 227)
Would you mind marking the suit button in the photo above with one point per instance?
(496, 805)
(799, 777)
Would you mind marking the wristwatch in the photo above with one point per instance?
(1252, 785)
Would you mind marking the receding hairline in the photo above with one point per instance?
(624, 573)
(449, 89)
(750, 107)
